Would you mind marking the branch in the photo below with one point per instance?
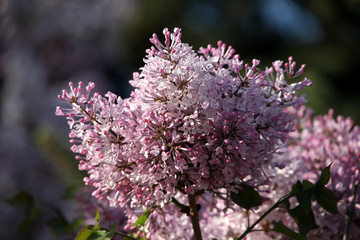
(194, 216)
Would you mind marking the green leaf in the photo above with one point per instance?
(97, 217)
(281, 228)
(99, 235)
(324, 177)
(326, 199)
(246, 197)
(296, 188)
(142, 219)
(304, 194)
(112, 231)
(85, 233)
(304, 220)
(287, 204)
(91, 232)
(307, 185)
(304, 199)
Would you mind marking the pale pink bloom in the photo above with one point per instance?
(195, 123)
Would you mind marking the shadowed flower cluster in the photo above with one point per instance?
(315, 144)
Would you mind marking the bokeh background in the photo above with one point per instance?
(44, 44)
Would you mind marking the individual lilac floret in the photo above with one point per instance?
(195, 123)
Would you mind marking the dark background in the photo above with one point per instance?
(44, 44)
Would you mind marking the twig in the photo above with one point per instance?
(194, 216)
(277, 204)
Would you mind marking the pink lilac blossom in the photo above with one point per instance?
(314, 145)
(222, 220)
(195, 123)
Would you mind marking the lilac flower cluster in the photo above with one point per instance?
(315, 144)
(195, 122)
(318, 143)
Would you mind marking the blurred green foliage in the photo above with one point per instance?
(57, 153)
